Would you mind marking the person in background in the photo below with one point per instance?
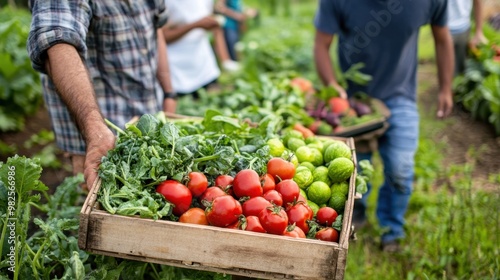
(383, 35)
(459, 23)
(98, 60)
(192, 59)
(235, 19)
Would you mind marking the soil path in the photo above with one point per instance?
(462, 134)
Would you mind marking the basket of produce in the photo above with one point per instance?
(219, 194)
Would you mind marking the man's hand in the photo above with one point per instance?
(98, 144)
(478, 39)
(339, 89)
(445, 104)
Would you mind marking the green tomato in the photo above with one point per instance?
(303, 177)
(276, 147)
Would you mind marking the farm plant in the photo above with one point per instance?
(20, 90)
(478, 89)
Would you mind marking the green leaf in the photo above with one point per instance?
(147, 124)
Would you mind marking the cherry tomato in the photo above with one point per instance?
(273, 196)
(274, 220)
(254, 205)
(209, 195)
(194, 216)
(197, 183)
(177, 194)
(299, 214)
(294, 231)
(328, 234)
(223, 211)
(225, 182)
(268, 182)
(253, 224)
(289, 190)
(326, 216)
(280, 169)
(247, 183)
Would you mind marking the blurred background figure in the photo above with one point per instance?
(235, 22)
(192, 60)
(459, 23)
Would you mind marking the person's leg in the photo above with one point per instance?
(397, 148)
(232, 37)
(460, 43)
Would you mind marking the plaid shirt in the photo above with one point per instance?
(117, 41)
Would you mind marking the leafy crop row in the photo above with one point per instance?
(20, 91)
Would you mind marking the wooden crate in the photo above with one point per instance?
(215, 249)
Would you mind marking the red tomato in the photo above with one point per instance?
(225, 182)
(268, 182)
(247, 183)
(177, 194)
(273, 196)
(225, 210)
(274, 220)
(197, 183)
(209, 195)
(280, 169)
(328, 234)
(253, 224)
(326, 216)
(299, 214)
(254, 205)
(289, 190)
(302, 198)
(294, 231)
(194, 216)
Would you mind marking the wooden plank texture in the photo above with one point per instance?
(213, 247)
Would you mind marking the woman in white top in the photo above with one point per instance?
(192, 60)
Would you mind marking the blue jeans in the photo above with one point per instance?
(397, 149)
(232, 37)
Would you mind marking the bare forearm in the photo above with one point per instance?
(222, 8)
(174, 33)
(478, 15)
(322, 60)
(163, 73)
(73, 84)
(444, 57)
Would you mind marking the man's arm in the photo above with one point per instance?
(163, 75)
(478, 37)
(324, 67)
(70, 76)
(445, 65)
(173, 33)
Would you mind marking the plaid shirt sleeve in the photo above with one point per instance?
(56, 22)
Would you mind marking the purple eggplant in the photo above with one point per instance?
(361, 108)
(332, 119)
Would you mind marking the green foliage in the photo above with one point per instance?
(288, 49)
(478, 89)
(50, 250)
(20, 91)
(256, 99)
(149, 152)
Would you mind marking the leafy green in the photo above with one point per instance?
(154, 150)
(20, 89)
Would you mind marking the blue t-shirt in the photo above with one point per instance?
(383, 34)
(230, 22)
